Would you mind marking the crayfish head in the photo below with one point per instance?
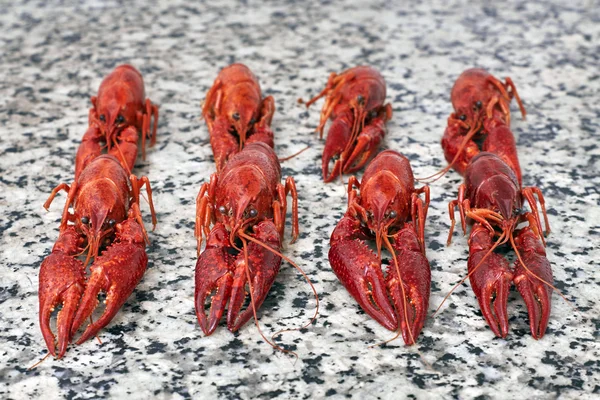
(468, 104)
(499, 193)
(385, 204)
(243, 199)
(242, 114)
(365, 104)
(97, 217)
(116, 109)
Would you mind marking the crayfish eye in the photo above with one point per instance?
(252, 213)
(85, 220)
(120, 119)
(252, 121)
(478, 104)
(223, 210)
(235, 116)
(102, 117)
(392, 214)
(373, 114)
(111, 222)
(360, 99)
(463, 117)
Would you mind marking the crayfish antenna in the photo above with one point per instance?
(444, 170)
(496, 244)
(294, 155)
(34, 366)
(314, 317)
(252, 302)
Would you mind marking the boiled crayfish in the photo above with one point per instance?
(246, 205)
(492, 198)
(236, 113)
(479, 144)
(384, 206)
(355, 102)
(121, 103)
(106, 215)
(105, 223)
(480, 121)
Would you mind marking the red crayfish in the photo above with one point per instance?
(480, 120)
(354, 100)
(385, 206)
(105, 215)
(121, 103)
(236, 113)
(492, 198)
(246, 205)
(106, 219)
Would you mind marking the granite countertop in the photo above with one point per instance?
(53, 57)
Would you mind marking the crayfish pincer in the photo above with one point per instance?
(354, 101)
(386, 207)
(245, 204)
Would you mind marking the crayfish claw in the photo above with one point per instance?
(50, 297)
(337, 140)
(214, 278)
(62, 281)
(366, 145)
(491, 278)
(116, 272)
(262, 269)
(493, 302)
(416, 281)
(359, 270)
(533, 280)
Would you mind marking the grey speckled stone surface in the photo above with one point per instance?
(53, 57)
